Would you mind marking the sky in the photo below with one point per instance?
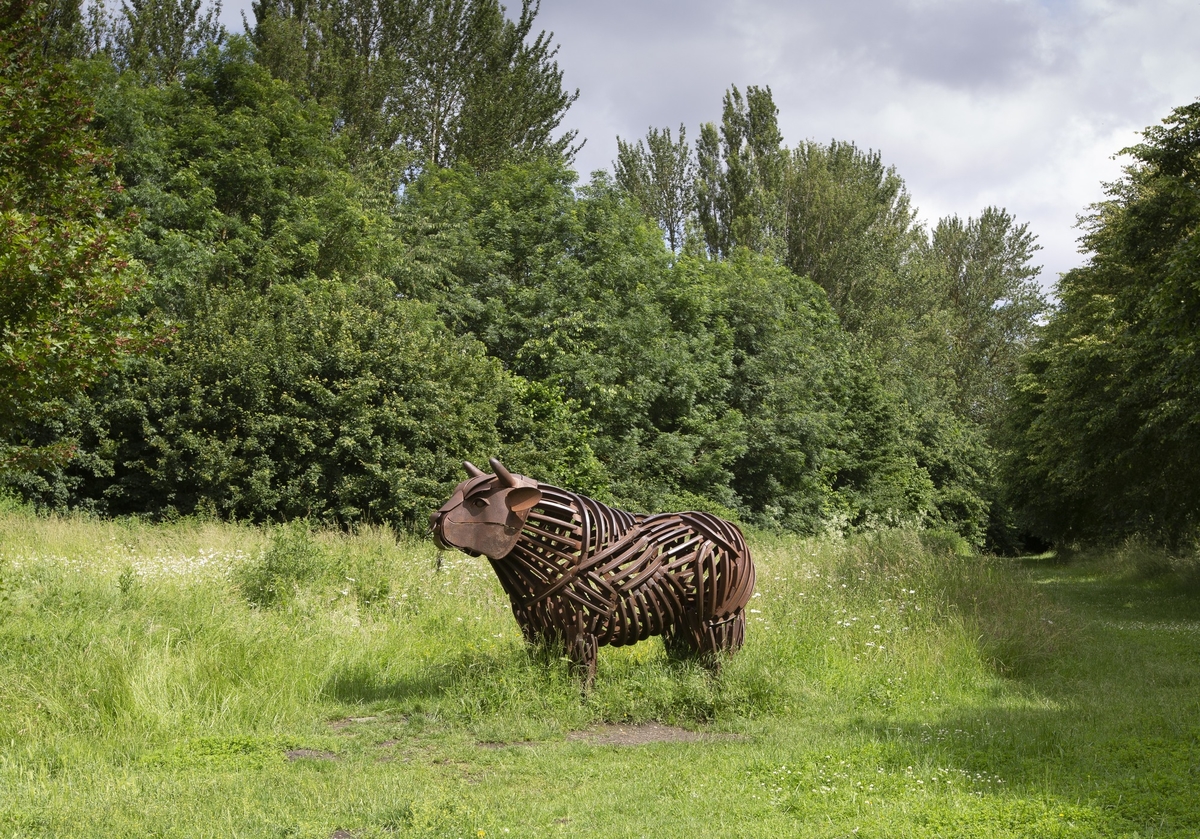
(1021, 104)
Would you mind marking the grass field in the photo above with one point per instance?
(200, 679)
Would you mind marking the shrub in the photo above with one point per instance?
(291, 559)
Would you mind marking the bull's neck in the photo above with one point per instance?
(562, 529)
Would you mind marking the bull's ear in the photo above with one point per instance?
(522, 499)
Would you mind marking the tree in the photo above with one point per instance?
(721, 384)
(237, 181)
(1105, 429)
(65, 276)
(660, 175)
(739, 185)
(153, 38)
(850, 228)
(440, 81)
(984, 272)
(297, 382)
(326, 400)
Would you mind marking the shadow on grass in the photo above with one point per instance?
(364, 687)
(1111, 723)
(468, 673)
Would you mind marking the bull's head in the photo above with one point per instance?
(486, 512)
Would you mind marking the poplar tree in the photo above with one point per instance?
(660, 173)
(982, 268)
(423, 82)
(739, 186)
(152, 38)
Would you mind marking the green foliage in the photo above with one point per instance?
(574, 293)
(938, 321)
(981, 267)
(64, 270)
(1103, 440)
(291, 559)
(850, 228)
(297, 383)
(740, 174)
(237, 180)
(721, 384)
(334, 352)
(444, 81)
(661, 175)
(153, 38)
(320, 400)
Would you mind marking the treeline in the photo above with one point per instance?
(334, 257)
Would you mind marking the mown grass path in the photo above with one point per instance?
(1126, 732)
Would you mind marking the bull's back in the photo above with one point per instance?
(629, 576)
(708, 558)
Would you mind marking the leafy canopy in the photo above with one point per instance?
(1104, 426)
(65, 274)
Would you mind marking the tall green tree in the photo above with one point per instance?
(433, 82)
(940, 317)
(65, 273)
(740, 180)
(152, 38)
(237, 181)
(660, 173)
(296, 381)
(1106, 421)
(850, 228)
(983, 268)
(719, 384)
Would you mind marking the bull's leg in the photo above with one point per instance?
(707, 639)
(581, 650)
(682, 642)
(724, 636)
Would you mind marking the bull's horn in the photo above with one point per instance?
(504, 474)
(472, 470)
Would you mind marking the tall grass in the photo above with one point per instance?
(161, 674)
(140, 633)
(1137, 559)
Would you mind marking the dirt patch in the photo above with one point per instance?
(310, 754)
(643, 733)
(346, 722)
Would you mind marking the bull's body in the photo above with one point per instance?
(577, 569)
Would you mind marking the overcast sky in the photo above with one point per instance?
(1016, 103)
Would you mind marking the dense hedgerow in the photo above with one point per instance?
(334, 354)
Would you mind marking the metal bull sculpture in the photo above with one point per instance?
(591, 575)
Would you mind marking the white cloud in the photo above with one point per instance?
(1010, 102)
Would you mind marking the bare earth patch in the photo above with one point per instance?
(642, 734)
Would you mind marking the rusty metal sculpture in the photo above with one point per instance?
(590, 575)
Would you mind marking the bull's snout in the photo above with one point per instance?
(435, 525)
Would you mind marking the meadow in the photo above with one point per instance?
(206, 679)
